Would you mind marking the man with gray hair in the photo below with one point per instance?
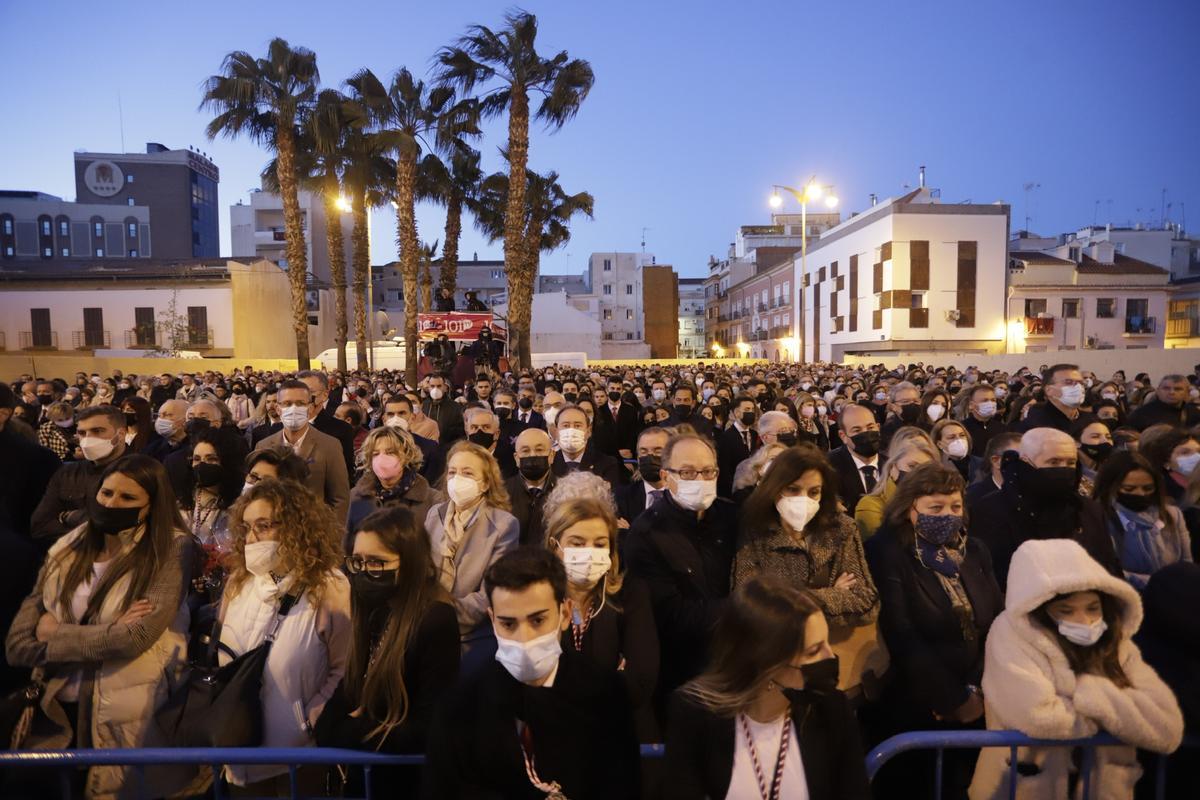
(1170, 406)
(904, 408)
(531, 485)
(1040, 500)
(776, 426)
(483, 428)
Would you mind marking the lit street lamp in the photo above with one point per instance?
(811, 192)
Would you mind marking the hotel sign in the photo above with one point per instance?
(103, 178)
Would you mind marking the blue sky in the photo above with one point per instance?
(698, 107)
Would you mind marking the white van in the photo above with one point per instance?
(389, 354)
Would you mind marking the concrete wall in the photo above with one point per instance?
(1102, 362)
(65, 366)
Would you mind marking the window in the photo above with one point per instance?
(968, 260)
(133, 254)
(64, 228)
(45, 227)
(629, 336)
(41, 335)
(99, 252)
(608, 288)
(8, 226)
(66, 252)
(1137, 307)
(1070, 308)
(1073, 254)
(8, 251)
(98, 230)
(198, 325)
(918, 300)
(497, 274)
(608, 313)
(629, 288)
(787, 290)
(629, 313)
(608, 265)
(47, 252)
(133, 230)
(1035, 306)
(129, 177)
(130, 201)
(1106, 308)
(93, 327)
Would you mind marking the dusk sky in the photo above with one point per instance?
(698, 107)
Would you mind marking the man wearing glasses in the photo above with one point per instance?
(682, 547)
(1062, 384)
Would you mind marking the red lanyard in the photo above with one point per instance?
(553, 789)
(771, 792)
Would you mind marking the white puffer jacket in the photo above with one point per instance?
(1029, 686)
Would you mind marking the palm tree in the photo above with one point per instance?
(408, 116)
(454, 183)
(507, 66)
(267, 100)
(545, 227)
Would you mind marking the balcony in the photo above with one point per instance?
(197, 339)
(90, 340)
(1039, 326)
(142, 337)
(38, 340)
(1183, 327)
(1140, 326)
(762, 307)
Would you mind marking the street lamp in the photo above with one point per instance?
(811, 192)
(743, 348)
(343, 204)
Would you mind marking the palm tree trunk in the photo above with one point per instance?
(297, 259)
(520, 285)
(362, 267)
(337, 270)
(449, 275)
(406, 236)
(426, 281)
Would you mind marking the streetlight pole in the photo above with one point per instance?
(811, 191)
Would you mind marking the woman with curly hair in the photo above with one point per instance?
(285, 561)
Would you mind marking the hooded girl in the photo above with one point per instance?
(1060, 663)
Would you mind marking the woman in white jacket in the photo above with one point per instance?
(1060, 664)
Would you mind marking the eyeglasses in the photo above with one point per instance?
(374, 567)
(261, 527)
(688, 474)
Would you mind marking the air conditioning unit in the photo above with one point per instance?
(1044, 315)
(953, 315)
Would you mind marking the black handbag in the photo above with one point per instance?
(222, 706)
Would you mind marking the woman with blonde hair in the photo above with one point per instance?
(612, 621)
(467, 534)
(391, 463)
(284, 563)
(910, 448)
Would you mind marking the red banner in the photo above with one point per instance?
(459, 326)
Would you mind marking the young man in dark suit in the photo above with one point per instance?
(737, 442)
(617, 424)
(858, 462)
(539, 721)
(574, 455)
(639, 495)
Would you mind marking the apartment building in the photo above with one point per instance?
(257, 231)
(692, 317)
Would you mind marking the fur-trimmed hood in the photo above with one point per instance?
(1043, 569)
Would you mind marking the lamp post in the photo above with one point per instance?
(812, 191)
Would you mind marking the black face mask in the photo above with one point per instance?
(482, 438)
(820, 677)
(650, 468)
(130, 418)
(570, 397)
(208, 474)
(109, 521)
(45, 399)
(526, 403)
(787, 438)
(1046, 485)
(360, 392)
(910, 413)
(503, 412)
(193, 427)
(533, 468)
(614, 397)
(240, 390)
(374, 592)
(1137, 502)
(682, 411)
(748, 418)
(1097, 452)
(866, 443)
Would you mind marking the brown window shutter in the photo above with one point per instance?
(918, 265)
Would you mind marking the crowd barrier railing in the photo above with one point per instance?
(941, 741)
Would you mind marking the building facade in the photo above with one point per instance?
(486, 278)
(692, 305)
(257, 231)
(178, 186)
(660, 304)
(39, 228)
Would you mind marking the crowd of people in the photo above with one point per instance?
(523, 576)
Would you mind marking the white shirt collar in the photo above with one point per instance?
(860, 463)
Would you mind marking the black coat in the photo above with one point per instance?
(64, 503)
(536, 420)
(260, 432)
(430, 671)
(583, 736)
(610, 436)
(332, 426)
(977, 491)
(1047, 415)
(731, 451)
(982, 432)
(449, 417)
(592, 461)
(528, 510)
(631, 500)
(27, 471)
(850, 485)
(1156, 412)
(703, 426)
(686, 565)
(932, 662)
(159, 447)
(701, 746)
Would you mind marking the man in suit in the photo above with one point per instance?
(574, 454)
(1062, 385)
(683, 404)
(483, 429)
(857, 461)
(983, 420)
(528, 488)
(323, 420)
(442, 409)
(397, 413)
(556, 721)
(616, 425)
(327, 476)
(737, 442)
(525, 413)
(640, 495)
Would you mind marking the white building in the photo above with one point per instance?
(691, 318)
(907, 274)
(557, 326)
(257, 231)
(616, 282)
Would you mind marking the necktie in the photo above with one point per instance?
(868, 476)
(534, 493)
(525, 418)
(749, 441)
(655, 496)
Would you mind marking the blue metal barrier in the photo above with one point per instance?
(293, 757)
(940, 741)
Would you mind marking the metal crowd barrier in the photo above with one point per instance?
(940, 741)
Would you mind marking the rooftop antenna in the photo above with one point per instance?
(1029, 187)
(1162, 208)
(121, 118)
(644, 238)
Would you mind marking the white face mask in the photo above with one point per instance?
(807, 412)
(529, 661)
(586, 565)
(695, 495)
(293, 417)
(797, 511)
(463, 490)
(247, 487)
(396, 422)
(1109, 395)
(436, 393)
(659, 395)
(986, 409)
(1081, 634)
(261, 557)
(957, 448)
(550, 414)
(164, 427)
(1186, 465)
(1071, 396)
(935, 412)
(572, 440)
(96, 449)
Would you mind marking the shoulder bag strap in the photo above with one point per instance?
(285, 607)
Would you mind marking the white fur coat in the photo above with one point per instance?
(1029, 686)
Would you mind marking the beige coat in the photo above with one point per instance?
(135, 666)
(1029, 686)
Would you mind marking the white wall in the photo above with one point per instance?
(1103, 362)
(1074, 332)
(556, 326)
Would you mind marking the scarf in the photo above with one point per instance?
(455, 527)
(384, 496)
(945, 561)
